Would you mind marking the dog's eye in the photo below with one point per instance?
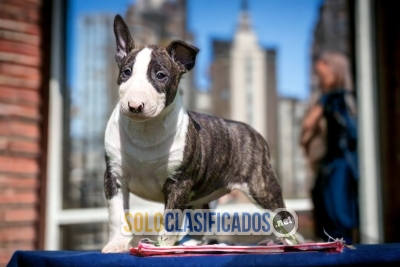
(160, 75)
(127, 72)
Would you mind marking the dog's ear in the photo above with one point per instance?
(183, 53)
(125, 43)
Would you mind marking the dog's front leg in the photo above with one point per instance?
(117, 201)
(176, 195)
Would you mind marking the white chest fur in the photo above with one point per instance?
(144, 154)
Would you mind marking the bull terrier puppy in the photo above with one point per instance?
(159, 151)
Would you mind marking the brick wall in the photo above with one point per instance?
(20, 124)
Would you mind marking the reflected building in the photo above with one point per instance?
(204, 103)
(157, 21)
(292, 168)
(333, 32)
(91, 103)
(220, 79)
(244, 81)
(244, 88)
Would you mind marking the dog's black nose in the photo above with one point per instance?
(136, 107)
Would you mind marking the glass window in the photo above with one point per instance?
(279, 42)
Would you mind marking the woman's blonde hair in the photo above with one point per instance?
(341, 69)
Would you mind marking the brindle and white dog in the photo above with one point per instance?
(159, 151)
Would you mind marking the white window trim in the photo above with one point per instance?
(371, 219)
(55, 130)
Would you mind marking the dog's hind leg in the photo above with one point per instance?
(265, 191)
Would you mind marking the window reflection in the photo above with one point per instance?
(245, 83)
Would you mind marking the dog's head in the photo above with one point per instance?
(149, 75)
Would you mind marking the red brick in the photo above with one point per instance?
(18, 165)
(7, 181)
(19, 111)
(8, 249)
(28, 3)
(19, 146)
(12, 197)
(25, 147)
(5, 256)
(19, 48)
(20, 59)
(24, 12)
(20, 37)
(19, 96)
(17, 233)
(18, 215)
(22, 245)
(19, 71)
(19, 82)
(19, 26)
(16, 128)
(20, 100)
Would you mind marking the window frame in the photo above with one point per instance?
(370, 209)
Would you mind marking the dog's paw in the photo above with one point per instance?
(117, 245)
(167, 240)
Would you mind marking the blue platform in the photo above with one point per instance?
(363, 255)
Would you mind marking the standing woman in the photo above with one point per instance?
(335, 194)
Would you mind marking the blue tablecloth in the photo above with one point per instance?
(365, 255)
